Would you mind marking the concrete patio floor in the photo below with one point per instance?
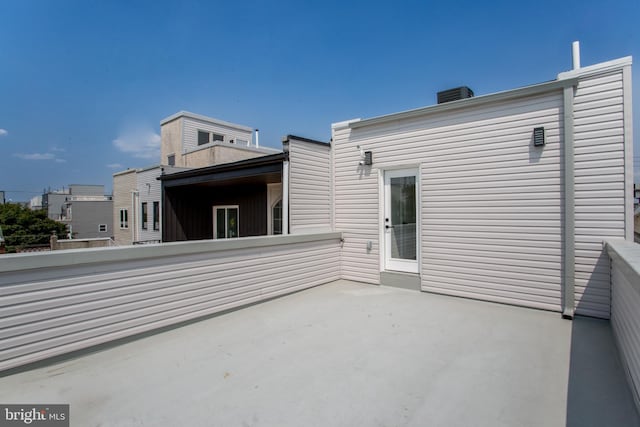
(347, 354)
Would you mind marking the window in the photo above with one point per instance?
(225, 222)
(207, 137)
(156, 216)
(171, 160)
(242, 141)
(203, 137)
(144, 215)
(102, 228)
(276, 217)
(124, 218)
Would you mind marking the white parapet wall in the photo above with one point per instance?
(63, 301)
(625, 307)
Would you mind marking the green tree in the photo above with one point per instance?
(22, 226)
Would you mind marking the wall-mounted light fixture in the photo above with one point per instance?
(366, 157)
(538, 137)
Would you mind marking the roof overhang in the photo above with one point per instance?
(242, 171)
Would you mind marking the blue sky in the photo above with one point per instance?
(84, 84)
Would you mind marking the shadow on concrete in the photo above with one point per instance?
(598, 393)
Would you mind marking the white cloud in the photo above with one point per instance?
(140, 143)
(115, 166)
(3, 132)
(57, 149)
(36, 156)
(40, 156)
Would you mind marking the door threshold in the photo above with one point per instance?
(400, 279)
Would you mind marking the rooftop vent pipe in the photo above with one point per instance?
(455, 94)
(257, 138)
(576, 54)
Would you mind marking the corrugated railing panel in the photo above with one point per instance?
(625, 300)
(47, 311)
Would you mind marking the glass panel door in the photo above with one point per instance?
(232, 222)
(225, 222)
(400, 226)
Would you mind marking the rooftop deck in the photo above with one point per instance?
(346, 354)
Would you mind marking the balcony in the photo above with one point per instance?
(336, 353)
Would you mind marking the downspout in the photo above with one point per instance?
(628, 153)
(133, 221)
(285, 196)
(568, 309)
(569, 276)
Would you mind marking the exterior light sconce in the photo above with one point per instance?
(538, 137)
(366, 157)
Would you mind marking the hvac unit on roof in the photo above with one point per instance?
(454, 94)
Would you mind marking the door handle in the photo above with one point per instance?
(388, 226)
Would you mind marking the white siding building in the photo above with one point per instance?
(461, 200)
(309, 184)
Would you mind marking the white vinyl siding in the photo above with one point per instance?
(52, 311)
(599, 186)
(491, 203)
(625, 300)
(124, 183)
(356, 209)
(310, 186)
(192, 126)
(149, 191)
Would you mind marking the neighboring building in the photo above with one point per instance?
(148, 191)
(85, 209)
(124, 202)
(1, 197)
(88, 212)
(504, 197)
(137, 212)
(249, 197)
(52, 202)
(191, 140)
(35, 204)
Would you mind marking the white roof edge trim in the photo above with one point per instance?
(205, 119)
(344, 123)
(252, 148)
(597, 68)
(126, 171)
(469, 102)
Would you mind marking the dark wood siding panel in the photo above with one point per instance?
(253, 213)
(188, 211)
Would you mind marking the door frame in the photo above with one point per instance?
(409, 266)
